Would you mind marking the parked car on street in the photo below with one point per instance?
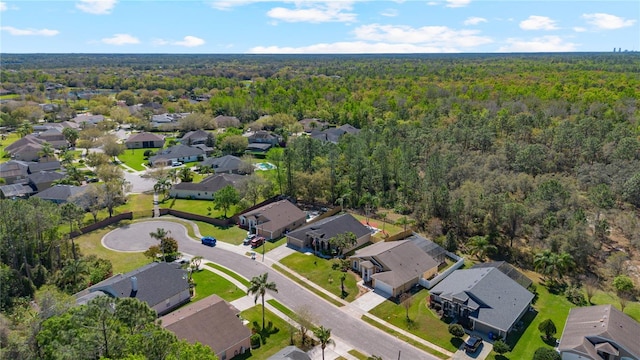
(257, 241)
(209, 241)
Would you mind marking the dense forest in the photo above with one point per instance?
(514, 156)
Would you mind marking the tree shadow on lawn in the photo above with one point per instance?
(266, 332)
(456, 342)
(515, 335)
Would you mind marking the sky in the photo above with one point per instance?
(318, 27)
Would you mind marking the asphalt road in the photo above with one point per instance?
(357, 333)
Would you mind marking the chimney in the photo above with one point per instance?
(134, 284)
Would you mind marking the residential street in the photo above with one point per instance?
(359, 334)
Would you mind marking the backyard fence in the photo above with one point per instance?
(103, 223)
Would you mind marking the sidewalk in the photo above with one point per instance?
(356, 309)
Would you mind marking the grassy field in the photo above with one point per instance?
(422, 321)
(234, 275)
(304, 284)
(319, 271)
(208, 283)
(274, 337)
(140, 204)
(134, 158)
(90, 244)
(8, 140)
(200, 207)
(632, 309)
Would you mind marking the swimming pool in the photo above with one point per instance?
(264, 166)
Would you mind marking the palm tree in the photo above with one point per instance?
(324, 337)
(173, 175)
(383, 217)
(404, 221)
(162, 186)
(259, 286)
(481, 247)
(185, 174)
(47, 151)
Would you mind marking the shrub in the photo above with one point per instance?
(456, 330)
(575, 295)
(548, 328)
(256, 339)
(545, 353)
(501, 347)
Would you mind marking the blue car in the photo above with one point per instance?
(209, 241)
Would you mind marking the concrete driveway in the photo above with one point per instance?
(480, 354)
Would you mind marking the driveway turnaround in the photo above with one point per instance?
(135, 237)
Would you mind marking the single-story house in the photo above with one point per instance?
(144, 140)
(43, 180)
(290, 353)
(482, 299)
(273, 220)
(14, 171)
(163, 286)
(85, 120)
(15, 191)
(334, 134)
(223, 121)
(195, 137)
(600, 332)
(212, 322)
(225, 164)
(61, 194)
(263, 137)
(181, 153)
(54, 137)
(317, 234)
(35, 167)
(205, 189)
(26, 148)
(258, 148)
(393, 267)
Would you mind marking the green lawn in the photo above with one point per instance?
(8, 140)
(319, 271)
(274, 338)
(234, 275)
(229, 234)
(208, 283)
(306, 285)
(423, 321)
(140, 204)
(90, 244)
(358, 355)
(134, 158)
(632, 309)
(389, 228)
(200, 207)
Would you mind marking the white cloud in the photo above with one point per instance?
(29, 32)
(579, 29)
(315, 12)
(474, 20)
(535, 22)
(432, 3)
(3, 6)
(121, 39)
(227, 5)
(187, 41)
(389, 12)
(433, 36)
(549, 43)
(457, 3)
(96, 7)
(357, 47)
(607, 21)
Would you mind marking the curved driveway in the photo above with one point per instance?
(353, 331)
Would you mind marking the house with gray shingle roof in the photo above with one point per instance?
(163, 286)
(43, 180)
(85, 120)
(61, 194)
(181, 153)
(482, 299)
(272, 220)
(290, 353)
(316, 235)
(26, 148)
(212, 322)
(15, 191)
(600, 332)
(333, 135)
(205, 189)
(195, 137)
(225, 164)
(144, 140)
(393, 267)
(14, 171)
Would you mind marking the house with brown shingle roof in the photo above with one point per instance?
(600, 332)
(316, 235)
(212, 322)
(205, 189)
(273, 220)
(26, 148)
(393, 267)
(144, 140)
